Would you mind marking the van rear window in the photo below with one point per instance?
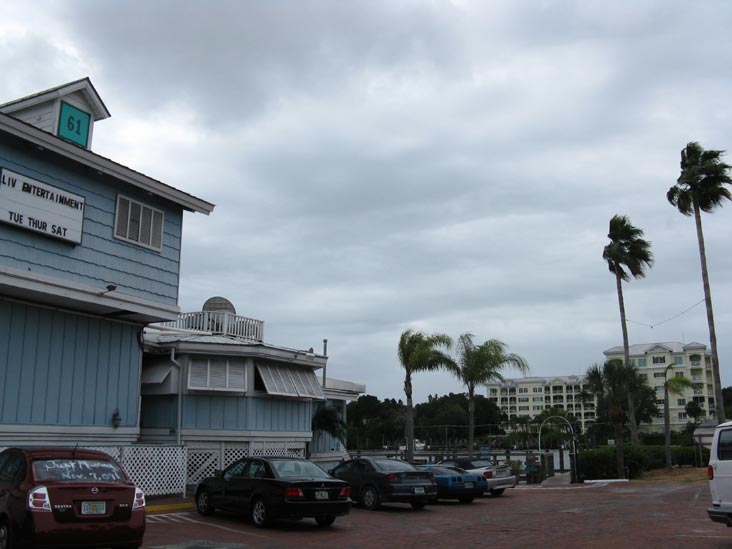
(74, 470)
(724, 445)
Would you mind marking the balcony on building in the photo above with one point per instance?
(219, 317)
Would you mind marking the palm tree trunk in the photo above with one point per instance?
(410, 417)
(471, 421)
(666, 421)
(619, 453)
(718, 400)
(634, 441)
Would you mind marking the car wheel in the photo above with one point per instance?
(325, 521)
(466, 499)
(418, 505)
(203, 502)
(370, 498)
(497, 492)
(5, 539)
(259, 513)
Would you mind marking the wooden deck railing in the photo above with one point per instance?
(220, 323)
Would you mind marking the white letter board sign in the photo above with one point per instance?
(36, 206)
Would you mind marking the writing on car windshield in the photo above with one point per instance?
(96, 470)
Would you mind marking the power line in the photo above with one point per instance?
(651, 326)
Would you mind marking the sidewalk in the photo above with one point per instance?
(558, 479)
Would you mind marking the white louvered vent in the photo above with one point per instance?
(138, 223)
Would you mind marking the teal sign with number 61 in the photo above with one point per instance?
(73, 125)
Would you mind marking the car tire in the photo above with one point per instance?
(6, 538)
(495, 492)
(466, 499)
(325, 521)
(259, 514)
(418, 505)
(203, 502)
(370, 498)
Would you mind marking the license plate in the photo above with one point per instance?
(419, 490)
(93, 507)
(468, 484)
(500, 473)
(321, 494)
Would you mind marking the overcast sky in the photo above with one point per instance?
(440, 166)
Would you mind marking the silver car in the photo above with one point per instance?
(498, 477)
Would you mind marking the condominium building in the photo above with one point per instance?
(657, 360)
(530, 396)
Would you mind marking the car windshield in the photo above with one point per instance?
(72, 470)
(297, 468)
(393, 466)
(482, 463)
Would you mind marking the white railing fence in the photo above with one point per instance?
(169, 470)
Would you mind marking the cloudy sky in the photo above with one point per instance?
(440, 166)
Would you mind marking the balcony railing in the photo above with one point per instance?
(220, 323)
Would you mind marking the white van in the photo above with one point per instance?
(720, 475)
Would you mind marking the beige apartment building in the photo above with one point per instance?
(530, 396)
(656, 360)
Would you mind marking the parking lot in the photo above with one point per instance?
(628, 515)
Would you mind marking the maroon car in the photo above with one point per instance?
(65, 497)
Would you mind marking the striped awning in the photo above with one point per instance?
(290, 381)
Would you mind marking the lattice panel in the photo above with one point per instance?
(202, 463)
(231, 454)
(157, 470)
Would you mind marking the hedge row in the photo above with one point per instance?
(601, 463)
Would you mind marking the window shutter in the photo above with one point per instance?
(123, 214)
(198, 376)
(156, 237)
(145, 225)
(217, 374)
(237, 376)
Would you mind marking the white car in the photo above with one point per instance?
(720, 475)
(498, 477)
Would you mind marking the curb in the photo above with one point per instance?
(163, 507)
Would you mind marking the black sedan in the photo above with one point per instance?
(271, 488)
(377, 480)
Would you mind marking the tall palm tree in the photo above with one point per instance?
(419, 352)
(609, 384)
(674, 385)
(479, 365)
(627, 255)
(701, 188)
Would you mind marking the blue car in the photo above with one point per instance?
(456, 483)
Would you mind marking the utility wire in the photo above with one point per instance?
(651, 326)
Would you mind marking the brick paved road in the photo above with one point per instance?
(637, 514)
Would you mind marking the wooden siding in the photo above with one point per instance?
(100, 259)
(57, 368)
(232, 413)
(41, 116)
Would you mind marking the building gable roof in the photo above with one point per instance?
(83, 86)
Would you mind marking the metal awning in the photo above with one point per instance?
(290, 381)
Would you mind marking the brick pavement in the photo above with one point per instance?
(627, 515)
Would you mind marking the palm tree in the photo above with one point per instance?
(479, 365)
(609, 384)
(701, 188)
(421, 353)
(675, 386)
(627, 250)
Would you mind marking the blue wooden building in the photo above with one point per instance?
(89, 255)
(212, 384)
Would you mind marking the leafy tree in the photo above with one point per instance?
(627, 255)
(444, 417)
(701, 188)
(609, 384)
(420, 353)
(479, 365)
(695, 411)
(674, 385)
(373, 424)
(328, 420)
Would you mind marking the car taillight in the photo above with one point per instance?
(392, 477)
(293, 492)
(710, 472)
(345, 492)
(488, 474)
(139, 501)
(38, 499)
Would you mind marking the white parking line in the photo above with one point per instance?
(186, 518)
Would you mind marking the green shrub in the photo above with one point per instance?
(601, 463)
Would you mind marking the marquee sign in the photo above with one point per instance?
(36, 206)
